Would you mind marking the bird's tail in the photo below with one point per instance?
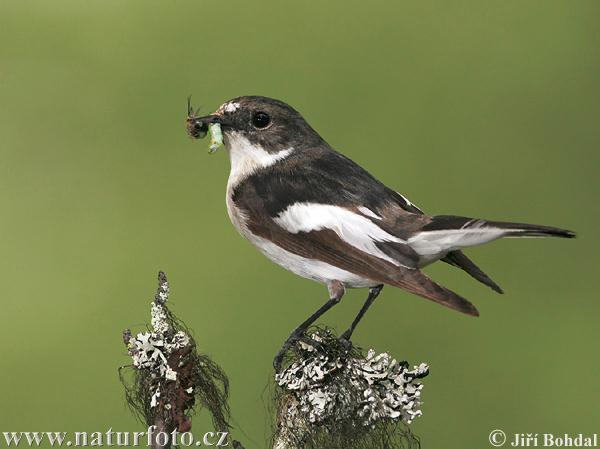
(445, 233)
(460, 260)
(529, 230)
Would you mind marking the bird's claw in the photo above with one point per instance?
(279, 357)
(344, 339)
(291, 341)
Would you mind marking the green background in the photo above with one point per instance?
(486, 109)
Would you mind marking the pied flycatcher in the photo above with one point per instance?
(318, 214)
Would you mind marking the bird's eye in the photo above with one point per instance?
(261, 120)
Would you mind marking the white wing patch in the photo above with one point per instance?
(353, 228)
(368, 212)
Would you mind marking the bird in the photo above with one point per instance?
(318, 214)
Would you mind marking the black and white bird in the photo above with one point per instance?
(318, 214)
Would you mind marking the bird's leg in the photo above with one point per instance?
(336, 291)
(373, 294)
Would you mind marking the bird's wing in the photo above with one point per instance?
(327, 246)
(325, 177)
(306, 211)
(331, 192)
(325, 190)
(340, 247)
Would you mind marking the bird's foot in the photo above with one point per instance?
(278, 359)
(310, 344)
(344, 339)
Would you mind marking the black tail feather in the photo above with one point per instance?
(460, 260)
(529, 230)
(453, 222)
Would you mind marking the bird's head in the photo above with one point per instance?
(257, 122)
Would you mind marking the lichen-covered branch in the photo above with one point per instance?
(168, 377)
(332, 396)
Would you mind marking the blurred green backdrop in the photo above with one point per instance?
(482, 108)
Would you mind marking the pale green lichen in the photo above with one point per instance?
(169, 377)
(216, 137)
(334, 396)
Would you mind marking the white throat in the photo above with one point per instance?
(247, 158)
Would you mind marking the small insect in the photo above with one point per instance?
(195, 128)
(198, 129)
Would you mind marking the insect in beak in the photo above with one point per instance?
(197, 127)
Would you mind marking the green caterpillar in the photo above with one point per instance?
(216, 137)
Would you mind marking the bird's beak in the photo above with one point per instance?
(197, 127)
